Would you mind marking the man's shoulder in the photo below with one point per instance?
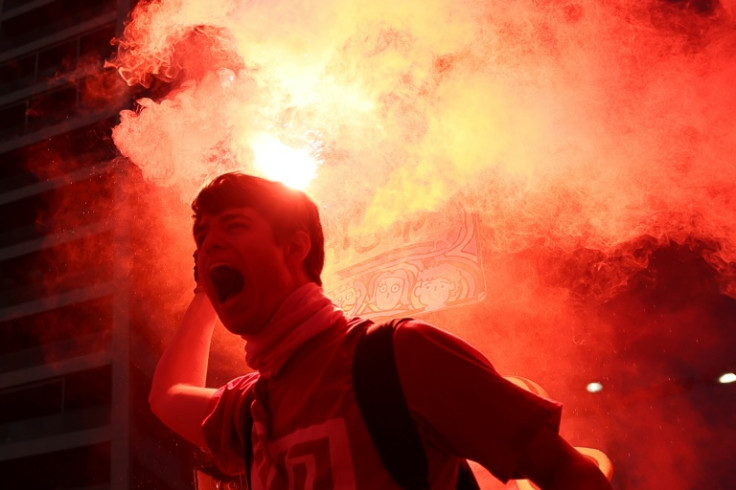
(410, 331)
(406, 330)
(411, 335)
(420, 344)
(242, 383)
(405, 323)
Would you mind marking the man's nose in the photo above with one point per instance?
(213, 241)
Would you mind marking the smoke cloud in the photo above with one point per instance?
(580, 124)
(591, 138)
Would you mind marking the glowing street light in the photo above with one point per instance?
(594, 387)
(727, 378)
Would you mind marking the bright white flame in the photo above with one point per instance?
(594, 387)
(727, 378)
(277, 161)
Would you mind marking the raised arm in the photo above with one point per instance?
(552, 464)
(178, 394)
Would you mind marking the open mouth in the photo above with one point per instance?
(226, 281)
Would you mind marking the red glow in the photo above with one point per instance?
(593, 139)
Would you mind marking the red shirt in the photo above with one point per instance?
(308, 431)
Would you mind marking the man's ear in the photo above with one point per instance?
(298, 248)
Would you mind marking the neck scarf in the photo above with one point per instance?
(304, 314)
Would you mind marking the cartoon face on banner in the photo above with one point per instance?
(438, 286)
(349, 297)
(390, 290)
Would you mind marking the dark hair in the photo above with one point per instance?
(286, 209)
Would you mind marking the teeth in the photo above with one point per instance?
(217, 264)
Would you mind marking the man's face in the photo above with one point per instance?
(242, 268)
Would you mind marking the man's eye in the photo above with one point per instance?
(237, 226)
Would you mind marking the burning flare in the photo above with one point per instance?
(277, 161)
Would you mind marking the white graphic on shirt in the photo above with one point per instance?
(314, 458)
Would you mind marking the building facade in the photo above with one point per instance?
(73, 413)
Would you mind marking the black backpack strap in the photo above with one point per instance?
(382, 404)
(465, 477)
(247, 432)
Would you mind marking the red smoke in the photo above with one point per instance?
(593, 139)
